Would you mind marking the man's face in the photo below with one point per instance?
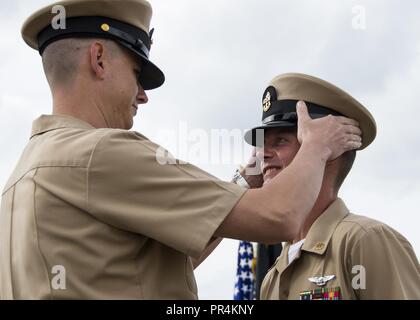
(126, 93)
(280, 147)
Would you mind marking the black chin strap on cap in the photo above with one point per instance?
(135, 43)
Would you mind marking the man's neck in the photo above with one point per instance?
(85, 108)
(325, 199)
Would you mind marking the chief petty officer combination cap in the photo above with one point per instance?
(322, 99)
(124, 21)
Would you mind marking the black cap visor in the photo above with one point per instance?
(151, 77)
(255, 136)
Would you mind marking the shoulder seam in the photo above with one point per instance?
(361, 226)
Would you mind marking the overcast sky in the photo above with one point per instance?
(218, 57)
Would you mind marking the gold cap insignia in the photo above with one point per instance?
(105, 27)
(267, 102)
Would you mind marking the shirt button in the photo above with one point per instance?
(319, 246)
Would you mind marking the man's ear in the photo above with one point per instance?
(97, 54)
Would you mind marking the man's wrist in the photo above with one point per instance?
(320, 149)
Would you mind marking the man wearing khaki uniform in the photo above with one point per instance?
(336, 254)
(90, 212)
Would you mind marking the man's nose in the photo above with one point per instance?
(142, 96)
(264, 152)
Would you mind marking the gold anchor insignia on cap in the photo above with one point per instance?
(319, 246)
(105, 27)
(321, 281)
(267, 102)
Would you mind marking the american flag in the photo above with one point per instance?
(245, 278)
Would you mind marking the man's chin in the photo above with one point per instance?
(267, 181)
(129, 125)
(269, 178)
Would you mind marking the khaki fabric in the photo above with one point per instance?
(339, 241)
(137, 13)
(97, 202)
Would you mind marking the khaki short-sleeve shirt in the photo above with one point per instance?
(346, 256)
(96, 206)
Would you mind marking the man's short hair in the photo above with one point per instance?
(61, 58)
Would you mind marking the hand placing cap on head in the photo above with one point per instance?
(124, 21)
(322, 98)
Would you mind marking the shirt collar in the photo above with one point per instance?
(322, 229)
(47, 123)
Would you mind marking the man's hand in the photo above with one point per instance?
(252, 172)
(332, 135)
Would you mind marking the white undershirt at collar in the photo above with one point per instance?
(294, 250)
